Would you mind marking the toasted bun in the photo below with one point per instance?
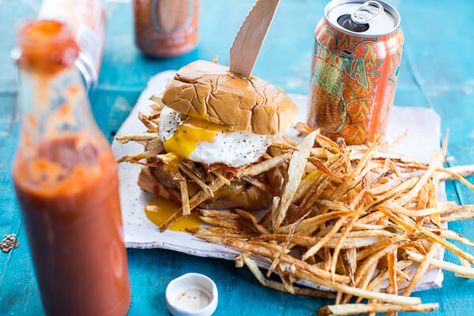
(208, 91)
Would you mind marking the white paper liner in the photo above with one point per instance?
(423, 138)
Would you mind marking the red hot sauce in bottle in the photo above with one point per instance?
(66, 181)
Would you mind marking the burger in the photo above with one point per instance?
(210, 126)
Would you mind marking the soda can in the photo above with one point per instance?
(87, 21)
(356, 57)
(166, 28)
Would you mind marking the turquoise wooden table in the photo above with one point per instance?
(437, 72)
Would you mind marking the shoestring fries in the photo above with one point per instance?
(362, 221)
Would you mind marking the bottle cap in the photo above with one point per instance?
(46, 46)
(191, 294)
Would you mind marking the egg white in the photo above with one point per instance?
(233, 149)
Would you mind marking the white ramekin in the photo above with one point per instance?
(189, 282)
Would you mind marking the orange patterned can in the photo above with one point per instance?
(166, 28)
(356, 57)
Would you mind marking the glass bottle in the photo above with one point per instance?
(166, 28)
(66, 182)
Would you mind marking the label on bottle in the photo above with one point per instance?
(86, 18)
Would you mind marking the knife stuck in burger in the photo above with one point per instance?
(211, 124)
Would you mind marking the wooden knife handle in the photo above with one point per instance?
(249, 39)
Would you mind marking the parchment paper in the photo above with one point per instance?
(423, 126)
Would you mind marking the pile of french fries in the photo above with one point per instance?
(361, 221)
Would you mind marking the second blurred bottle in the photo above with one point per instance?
(87, 21)
(166, 28)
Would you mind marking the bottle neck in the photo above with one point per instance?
(53, 105)
(60, 146)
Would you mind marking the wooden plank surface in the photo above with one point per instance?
(437, 71)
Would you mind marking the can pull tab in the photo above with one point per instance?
(367, 12)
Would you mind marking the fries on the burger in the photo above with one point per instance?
(212, 124)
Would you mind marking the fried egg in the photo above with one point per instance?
(209, 143)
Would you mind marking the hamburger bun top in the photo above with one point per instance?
(209, 92)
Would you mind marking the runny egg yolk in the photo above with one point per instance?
(159, 210)
(189, 134)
